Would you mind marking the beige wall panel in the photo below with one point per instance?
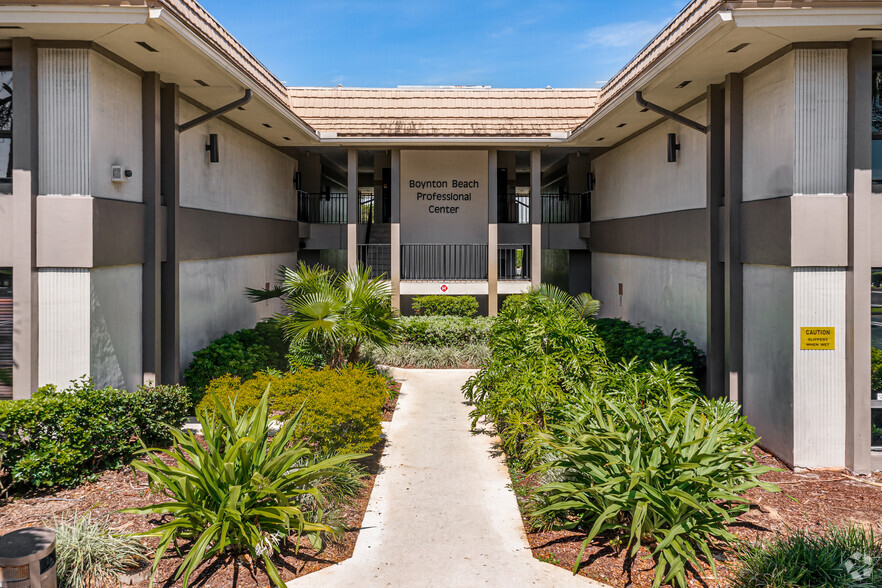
(64, 231)
(115, 327)
(768, 356)
(876, 236)
(635, 179)
(251, 178)
(768, 131)
(64, 325)
(212, 300)
(666, 293)
(819, 231)
(115, 109)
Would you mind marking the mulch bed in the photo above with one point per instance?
(116, 490)
(809, 500)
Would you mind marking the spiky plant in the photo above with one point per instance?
(89, 555)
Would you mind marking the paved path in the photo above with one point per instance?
(440, 513)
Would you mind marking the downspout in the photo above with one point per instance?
(669, 114)
(217, 112)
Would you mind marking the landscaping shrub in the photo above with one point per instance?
(89, 554)
(441, 331)
(847, 557)
(239, 354)
(466, 306)
(876, 367)
(653, 477)
(61, 438)
(430, 357)
(243, 492)
(624, 341)
(342, 408)
(877, 279)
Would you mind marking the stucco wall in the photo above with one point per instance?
(251, 178)
(115, 326)
(212, 300)
(667, 293)
(635, 179)
(769, 131)
(116, 133)
(768, 356)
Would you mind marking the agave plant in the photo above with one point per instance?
(338, 312)
(240, 492)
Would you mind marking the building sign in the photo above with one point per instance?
(817, 338)
(443, 196)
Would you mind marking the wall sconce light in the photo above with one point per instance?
(211, 147)
(673, 147)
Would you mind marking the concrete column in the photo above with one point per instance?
(395, 233)
(171, 196)
(151, 312)
(381, 160)
(731, 228)
(535, 217)
(492, 236)
(352, 208)
(857, 293)
(25, 342)
(716, 154)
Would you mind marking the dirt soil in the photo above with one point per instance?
(809, 500)
(116, 490)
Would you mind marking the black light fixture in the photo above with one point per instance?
(673, 147)
(211, 147)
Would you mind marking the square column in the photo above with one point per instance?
(492, 235)
(535, 217)
(395, 232)
(352, 208)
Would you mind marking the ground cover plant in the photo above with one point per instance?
(624, 450)
(340, 409)
(624, 341)
(64, 437)
(843, 556)
(89, 554)
(243, 491)
(240, 354)
(465, 306)
(437, 342)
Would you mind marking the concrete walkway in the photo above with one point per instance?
(440, 513)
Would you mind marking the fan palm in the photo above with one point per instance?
(338, 312)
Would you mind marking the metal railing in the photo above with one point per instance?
(327, 209)
(366, 209)
(514, 261)
(443, 262)
(377, 257)
(514, 208)
(566, 208)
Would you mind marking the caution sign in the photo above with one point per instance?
(817, 338)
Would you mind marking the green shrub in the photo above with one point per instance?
(653, 477)
(877, 279)
(242, 492)
(61, 438)
(429, 357)
(876, 367)
(444, 331)
(239, 354)
(342, 409)
(89, 555)
(466, 306)
(624, 341)
(847, 557)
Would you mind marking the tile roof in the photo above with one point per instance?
(459, 112)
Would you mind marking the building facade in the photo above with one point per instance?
(724, 183)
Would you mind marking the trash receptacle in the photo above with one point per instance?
(27, 558)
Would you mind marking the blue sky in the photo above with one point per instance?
(501, 43)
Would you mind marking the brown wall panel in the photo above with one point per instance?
(670, 235)
(206, 234)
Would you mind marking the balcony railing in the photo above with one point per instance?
(377, 257)
(514, 261)
(566, 208)
(514, 208)
(326, 209)
(443, 262)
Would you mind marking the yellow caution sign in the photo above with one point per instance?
(817, 338)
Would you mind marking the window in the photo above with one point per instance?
(877, 121)
(5, 332)
(5, 122)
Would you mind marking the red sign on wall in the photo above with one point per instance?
(444, 287)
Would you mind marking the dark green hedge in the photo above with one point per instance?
(876, 367)
(242, 354)
(624, 341)
(445, 305)
(444, 331)
(62, 438)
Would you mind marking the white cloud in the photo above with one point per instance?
(622, 35)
